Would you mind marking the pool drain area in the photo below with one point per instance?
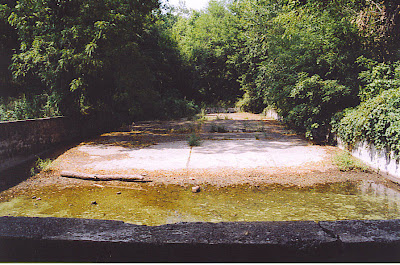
(86, 240)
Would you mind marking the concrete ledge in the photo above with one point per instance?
(367, 241)
(25, 239)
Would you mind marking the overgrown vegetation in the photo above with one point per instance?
(376, 120)
(95, 56)
(29, 107)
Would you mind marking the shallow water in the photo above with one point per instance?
(156, 205)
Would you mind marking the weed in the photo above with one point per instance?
(41, 165)
(194, 140)
(202, 116)
(346, 162)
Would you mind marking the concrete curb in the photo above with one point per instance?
(26, 239)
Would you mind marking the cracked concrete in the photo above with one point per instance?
(251, 145)
(245, 153)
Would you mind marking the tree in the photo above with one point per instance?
(73, 47)
(287, 41)
(8, 42)
(208, 40)
(379, 22)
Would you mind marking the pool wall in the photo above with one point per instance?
(25, 239)
(20, 139)
(376, 158)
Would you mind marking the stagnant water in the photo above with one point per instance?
(156, 205)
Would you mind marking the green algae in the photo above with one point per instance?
(157, 205)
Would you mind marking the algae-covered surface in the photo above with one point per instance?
(157, 205)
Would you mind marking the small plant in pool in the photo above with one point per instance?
(194, 140)
(346, 162)
(41, 165)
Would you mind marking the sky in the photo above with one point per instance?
(193, 4)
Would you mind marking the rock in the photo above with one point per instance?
(38, 199)
(196, 189)
(118, 193)
(33, 197)
(94, 202)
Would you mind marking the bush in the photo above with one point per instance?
(378, 78)
(376, 120)
(312, 103)
(23, 107)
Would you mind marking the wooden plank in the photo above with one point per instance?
(97, 177)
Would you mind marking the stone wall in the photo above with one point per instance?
(377, 159)
(19, 139)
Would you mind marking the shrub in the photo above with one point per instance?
(376, 120)
(23, 107)
(378, 78)
(312, 102)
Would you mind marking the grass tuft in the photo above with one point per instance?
(41, 165)
(194, 140)
(346, 162)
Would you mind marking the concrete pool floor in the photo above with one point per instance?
(252, 150)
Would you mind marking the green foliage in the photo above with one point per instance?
(29, 107)
(376, 120)
(8, 41)
(285, 44)
(73, 46)
(378, 77)
(346, 162)
(379, 23)
(208, 41)
(194, 140)
(129, 58)
(312, 101)
(41, 165)
(97, 56)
